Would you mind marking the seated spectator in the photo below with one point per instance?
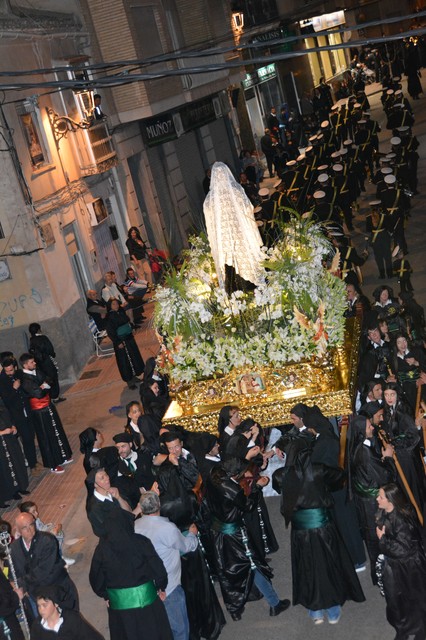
(96, 308)
(250, 188)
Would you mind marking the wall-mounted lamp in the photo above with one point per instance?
(238, 21)
(62, 124)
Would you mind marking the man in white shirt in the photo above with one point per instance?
(169, 543)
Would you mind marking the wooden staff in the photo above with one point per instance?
(343, 438)
(384, 438)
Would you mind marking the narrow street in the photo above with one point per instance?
(98, 400)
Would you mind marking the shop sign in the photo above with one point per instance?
(159, 129)
(260, 75)
(328, 20)
(197, 114)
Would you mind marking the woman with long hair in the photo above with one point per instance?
(410, 368)
(402, 433)
(139, 254)
(404, 567)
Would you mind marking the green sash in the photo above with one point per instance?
(310, 518)
(365, 492)
(132, 597)
(224, 527)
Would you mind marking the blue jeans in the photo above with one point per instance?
(175, 604)
(332, 612)
(265, 587)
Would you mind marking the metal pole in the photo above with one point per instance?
(5, 540)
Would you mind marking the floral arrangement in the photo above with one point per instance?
(296, 312)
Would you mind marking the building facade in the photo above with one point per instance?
(62, 213)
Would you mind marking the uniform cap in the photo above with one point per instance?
(403, 129)
(374, 203)
(264, 192)
(325, 124)
(337, 167)
(343, 152)
(335, 154)
(347, 142)
(291, 163)
(323, 167)
(308, 149)
(395, 140)
(390, 156)
(390, 92)
(323, 177)
(276, 184)
(386, 170)
(390, 179)
(257, 209)
(319, 194)
(301, 157)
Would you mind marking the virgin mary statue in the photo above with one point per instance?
(233, 235)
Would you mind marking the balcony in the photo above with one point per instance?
(96, 150)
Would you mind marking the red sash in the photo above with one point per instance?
(39, 403)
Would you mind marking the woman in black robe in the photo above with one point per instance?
(240, 564)
(228, 421)
(129, 360)
(404, 569)
(370, 468)
(401, 431)
(323, 574)
(127, 572)
(13, 473)
(205, 614)
(410, 368)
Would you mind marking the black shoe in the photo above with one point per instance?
(236, 616)
(24, 493)
(16, 496)
(132, 386)
(281, 606)
(4, 505)
(60, 399)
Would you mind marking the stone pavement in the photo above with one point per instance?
(98, 399)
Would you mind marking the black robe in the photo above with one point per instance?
(404, 436)
(13, 473)
(125, 559)
(127, 354)
(227, 504)
(369, 473)
(44, 354)
(323, 572)
(43, 566)
(16, 402)
(9, 602)
(74, 627)
(52, 440)
(404, 575)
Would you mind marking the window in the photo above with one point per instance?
(33, 134)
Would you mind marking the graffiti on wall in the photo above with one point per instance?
(13, 307)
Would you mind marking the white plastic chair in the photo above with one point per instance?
(102, 350)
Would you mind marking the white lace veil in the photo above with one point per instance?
(231, 228)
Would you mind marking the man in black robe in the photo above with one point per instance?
(53, 442)
(38, 563)
(134, 469)
(16, 402)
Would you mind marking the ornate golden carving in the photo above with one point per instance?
(329, 383)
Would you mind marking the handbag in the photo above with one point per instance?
(124, 330)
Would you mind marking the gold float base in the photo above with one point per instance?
(267, 394)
